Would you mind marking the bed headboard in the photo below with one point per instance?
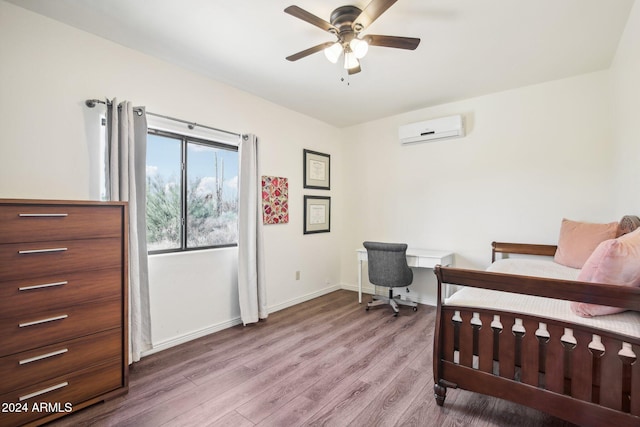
(627, 224)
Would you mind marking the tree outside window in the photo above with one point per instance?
(192, 193)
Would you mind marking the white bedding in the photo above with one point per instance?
(627, 323)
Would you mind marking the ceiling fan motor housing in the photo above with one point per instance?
(343, 19)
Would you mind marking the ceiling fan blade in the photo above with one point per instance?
(373, 11)
(310, 18)
(354, 70)
(409, 43)
(309, 51)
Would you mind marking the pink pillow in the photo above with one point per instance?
(614, 262)
(578, 240)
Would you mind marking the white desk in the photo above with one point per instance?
(419, 258)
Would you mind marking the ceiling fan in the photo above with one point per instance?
(346, 23)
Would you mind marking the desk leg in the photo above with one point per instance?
(360, 282)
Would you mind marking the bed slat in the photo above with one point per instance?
(507, 347)
(485, 344)
(582, 367)
(466, 339)
(554, 369)
(530, 353)
(611, 375)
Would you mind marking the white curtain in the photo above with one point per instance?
(126, 181)
(251, 276)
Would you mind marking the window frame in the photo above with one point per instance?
(184, 141)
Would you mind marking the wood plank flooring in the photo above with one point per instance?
(326, 362)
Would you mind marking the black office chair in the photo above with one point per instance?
(388, 267)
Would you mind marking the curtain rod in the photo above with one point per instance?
(93, 102)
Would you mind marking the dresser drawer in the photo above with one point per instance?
(61, 394)
(21, 370)
(42, 259)
(32, 330)
(58, 291)
(36, 223)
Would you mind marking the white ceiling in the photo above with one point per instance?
(468, 47)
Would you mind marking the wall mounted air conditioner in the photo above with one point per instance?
(432, 130)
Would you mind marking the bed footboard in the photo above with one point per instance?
(575, 372)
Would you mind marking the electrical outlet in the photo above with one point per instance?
(297, 275)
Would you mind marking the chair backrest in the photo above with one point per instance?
(388, 264)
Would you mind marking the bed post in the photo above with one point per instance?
(439, 391)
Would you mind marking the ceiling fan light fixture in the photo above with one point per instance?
(359, 47)
(350, 61)
(333, 52)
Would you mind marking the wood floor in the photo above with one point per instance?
(323, 362)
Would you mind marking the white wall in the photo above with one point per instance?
(49, 150)
(625, 76)
(531, 157)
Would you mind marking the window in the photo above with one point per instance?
(192, 193)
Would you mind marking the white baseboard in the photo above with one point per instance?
(304, 298)
(181, 339)
(366, 289)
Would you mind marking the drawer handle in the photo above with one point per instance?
(44, 285)
(40, 251)
(43, 215)
(43, 391)
(49, 319)
(43, 356)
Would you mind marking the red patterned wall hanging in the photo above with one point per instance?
(275, 200)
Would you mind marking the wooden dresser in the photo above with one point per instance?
(63, 307)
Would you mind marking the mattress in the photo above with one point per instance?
(626, 323)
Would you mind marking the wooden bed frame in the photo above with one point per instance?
(572, 382)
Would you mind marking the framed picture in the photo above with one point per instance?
(317, 214)
(316, 170)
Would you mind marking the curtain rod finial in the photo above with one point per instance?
(93, 102)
